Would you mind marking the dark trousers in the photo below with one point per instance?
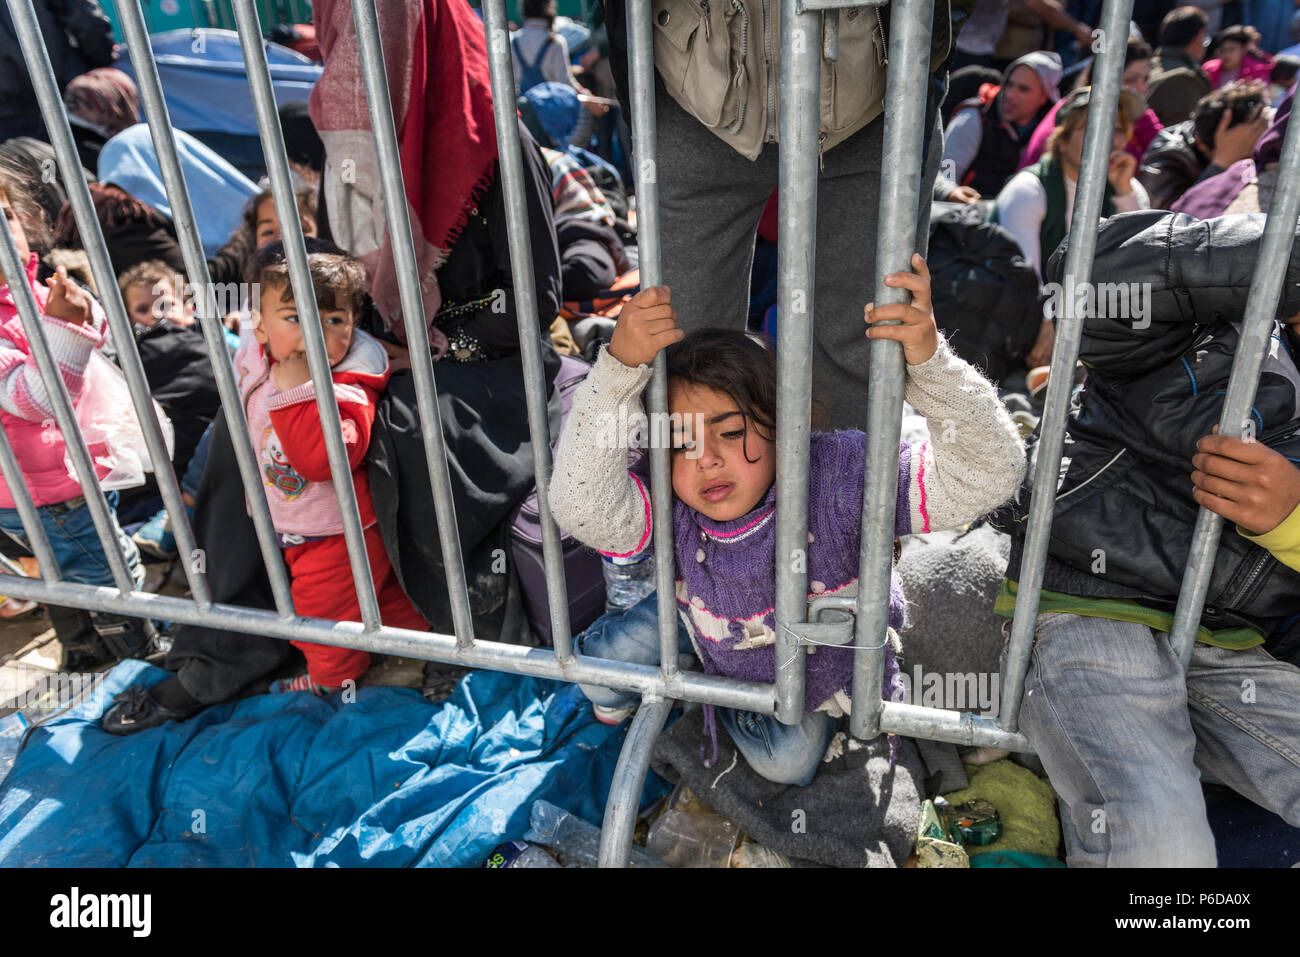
(710, 201)
(215, 665)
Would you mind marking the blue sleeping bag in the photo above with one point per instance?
(277, 780)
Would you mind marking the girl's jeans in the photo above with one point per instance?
(787, 754)
(81, 558)
(1124, 736)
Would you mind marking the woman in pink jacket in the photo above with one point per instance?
(74, 325)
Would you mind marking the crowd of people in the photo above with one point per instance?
(1195, 150)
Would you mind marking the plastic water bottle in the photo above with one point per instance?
(628, 580)
(519, 854)
(574, 837)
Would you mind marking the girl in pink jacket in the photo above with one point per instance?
(74, 325)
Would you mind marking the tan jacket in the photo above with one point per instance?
(720, 59)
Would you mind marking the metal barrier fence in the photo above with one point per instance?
(797, 619)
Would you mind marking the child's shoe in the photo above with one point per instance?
(155, 538)
(301, 683)
(611, 716)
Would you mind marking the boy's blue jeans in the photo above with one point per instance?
(74, 541)
(1123, 735)
(787, 754)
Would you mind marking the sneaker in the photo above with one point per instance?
(155, 538)
(302, 682)
(611, 716)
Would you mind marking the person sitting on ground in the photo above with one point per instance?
(1127, 736)
(1223, 130)
(1282, 77)
(133, 231)
(1240, 58)
(591, 253)
(217, 190)
(1246, 186)
(984, 140)
(284, 424)
(724, 497)
(259, 226)
(1137, 71)
(1177, 80)
(101, 104)
(176, 365)
(1037, 204)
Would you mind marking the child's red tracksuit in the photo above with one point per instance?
(286, 431)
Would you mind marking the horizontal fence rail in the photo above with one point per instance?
(662, 686)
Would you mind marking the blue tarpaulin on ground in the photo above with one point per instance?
(292, 779)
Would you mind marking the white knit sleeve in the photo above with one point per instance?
(974, 458)
(592, 495)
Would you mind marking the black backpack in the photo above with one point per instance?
(985, 292)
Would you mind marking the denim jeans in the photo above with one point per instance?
(75, 543)
(787, 754)
(1122, 735)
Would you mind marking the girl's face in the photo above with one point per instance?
(1137, 76)
(266, 227)
(16, 228)
(1231, 53)
(1072, 146)
(722, 465)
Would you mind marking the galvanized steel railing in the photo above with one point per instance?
(909, 49)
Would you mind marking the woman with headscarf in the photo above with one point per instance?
(101, 104)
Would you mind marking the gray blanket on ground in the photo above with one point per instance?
(858, 812)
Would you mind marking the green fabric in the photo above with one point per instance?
(1026, 806)
(1124, 609)
(1053, 229)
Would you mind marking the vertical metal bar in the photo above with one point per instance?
(629, 776)
(641, 80)
(511, 170)
(1103, 106)
(900, 181)
(286, 209)
(178, 197)
(801, 45)
(31, 519)
(1235, 420)
(408, 282)
(56, 122)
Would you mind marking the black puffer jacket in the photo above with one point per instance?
(1153, 390)
(1173, 164)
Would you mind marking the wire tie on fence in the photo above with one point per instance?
(800, 641)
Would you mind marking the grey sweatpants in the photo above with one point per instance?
(710, 201)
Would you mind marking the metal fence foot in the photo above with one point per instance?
(629, 776)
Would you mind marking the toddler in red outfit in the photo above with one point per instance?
(284, 424)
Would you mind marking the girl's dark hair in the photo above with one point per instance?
(738, 364)
(305, 198)
(16, 183)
